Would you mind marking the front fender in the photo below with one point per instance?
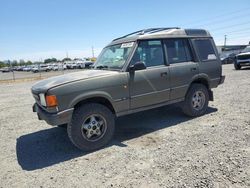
(88, 95)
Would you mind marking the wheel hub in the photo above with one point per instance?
(198, 100)
(93, 127)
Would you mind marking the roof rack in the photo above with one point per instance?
(147, 31)
(200, 32)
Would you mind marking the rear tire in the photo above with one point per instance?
(196, 100)
(236, 66)
(92, 126)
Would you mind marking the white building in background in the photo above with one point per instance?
(230, 49)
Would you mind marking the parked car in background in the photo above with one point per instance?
(88, 64)
(40, 68)
(243, 58)
(20, 68)
(227, 58)
(6, 69)
(84, 64)
(62, 66)
(73, 66)
(35, 69)
(55, 68)
(27, 68)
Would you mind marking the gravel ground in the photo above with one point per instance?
(25, 75)
(156, 148)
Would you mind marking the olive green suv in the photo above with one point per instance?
(139, 71)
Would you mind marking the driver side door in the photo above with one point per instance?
(150, 86)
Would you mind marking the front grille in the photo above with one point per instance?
(243, 57)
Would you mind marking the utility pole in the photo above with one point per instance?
(225, 40)
(93, 53)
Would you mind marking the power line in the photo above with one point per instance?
(234, 31)
(240, 36)
(247, 34)
(220, 15)
(223, 20)
(229, 26)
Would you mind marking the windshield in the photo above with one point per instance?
(247, 49)
(114, 57)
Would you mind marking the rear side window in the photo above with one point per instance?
(205, 49)
(178, 50)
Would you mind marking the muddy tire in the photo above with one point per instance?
(196, 100)
(92, 126)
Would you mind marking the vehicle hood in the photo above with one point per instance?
(44, 85)
(243, 54)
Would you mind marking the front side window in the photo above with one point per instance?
(114, 57)
(205, 49)
(149, 52)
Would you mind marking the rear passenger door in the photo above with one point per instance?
(182, 66)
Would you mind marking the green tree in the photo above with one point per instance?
(28, 63)
(66, 59)
(50, 60)
(2, 64)
(14, 63)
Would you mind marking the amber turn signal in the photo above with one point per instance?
(51, 100)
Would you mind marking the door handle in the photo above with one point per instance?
(164, 74)
(193, 69)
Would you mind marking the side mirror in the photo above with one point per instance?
(137, 66)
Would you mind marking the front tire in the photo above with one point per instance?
(196, 100)
(237, 66)
(64, 126)
(92, 126)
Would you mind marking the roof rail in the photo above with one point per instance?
(149, 31)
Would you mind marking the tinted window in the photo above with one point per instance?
(178, 50)
(149, 52)
(205, 49)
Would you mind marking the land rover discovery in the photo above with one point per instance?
(139, 71)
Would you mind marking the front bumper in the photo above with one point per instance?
(243, 61)
(53, 119)
(222, 79)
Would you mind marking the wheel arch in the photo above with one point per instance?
(100, 98)
(204, 80)
(201, 80)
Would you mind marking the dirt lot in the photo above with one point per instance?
(156, 148)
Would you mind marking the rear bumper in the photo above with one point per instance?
(53, 119)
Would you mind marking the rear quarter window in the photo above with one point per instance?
(205, 49)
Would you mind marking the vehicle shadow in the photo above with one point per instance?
(52, 146)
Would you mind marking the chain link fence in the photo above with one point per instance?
(37, 72)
